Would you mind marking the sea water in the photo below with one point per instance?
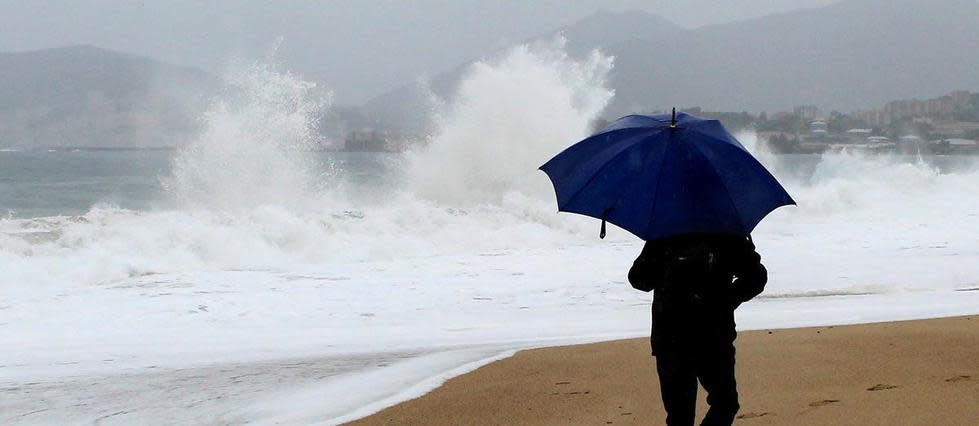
(39, 184)
(249, 244)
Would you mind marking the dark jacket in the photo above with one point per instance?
(698, 280)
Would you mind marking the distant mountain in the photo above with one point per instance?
(606, 28)
(404, 109)
(87, 96)
(848, 55)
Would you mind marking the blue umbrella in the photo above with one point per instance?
(662, 175)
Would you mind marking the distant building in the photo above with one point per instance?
(941, 108)
(959, 142)
(878, 139)
(961, 97)
(806, 112)
(956, 146)
(818, 129)
(954, 128)
(962, 146)
(858, 135)
(909, 139)
(874, 117)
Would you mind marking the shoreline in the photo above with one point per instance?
(375, 379)
(912, 371)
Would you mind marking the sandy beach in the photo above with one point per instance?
(923, 372)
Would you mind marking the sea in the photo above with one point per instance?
(56, 183)
(249, 277)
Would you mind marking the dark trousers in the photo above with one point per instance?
(681, 366)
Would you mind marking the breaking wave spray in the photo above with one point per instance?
(249, 192)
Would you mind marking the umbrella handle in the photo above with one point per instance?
(601, 234)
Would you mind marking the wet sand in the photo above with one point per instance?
(923, 372)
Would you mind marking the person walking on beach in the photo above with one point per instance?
(688, 188)
(698, 280)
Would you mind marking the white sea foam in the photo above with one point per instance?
(246, 194)
(509, 117)
(254, 149)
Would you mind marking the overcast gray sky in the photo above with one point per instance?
(359, 48)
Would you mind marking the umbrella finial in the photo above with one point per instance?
(673, 121)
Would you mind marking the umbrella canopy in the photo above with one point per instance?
(662, 175)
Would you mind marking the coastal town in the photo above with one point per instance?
(945, 125)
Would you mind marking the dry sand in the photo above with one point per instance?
(899, 373)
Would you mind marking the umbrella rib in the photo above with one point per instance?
(544, 168)
(727, 191)
(659, 179)
(637, 126)
(606, 134)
